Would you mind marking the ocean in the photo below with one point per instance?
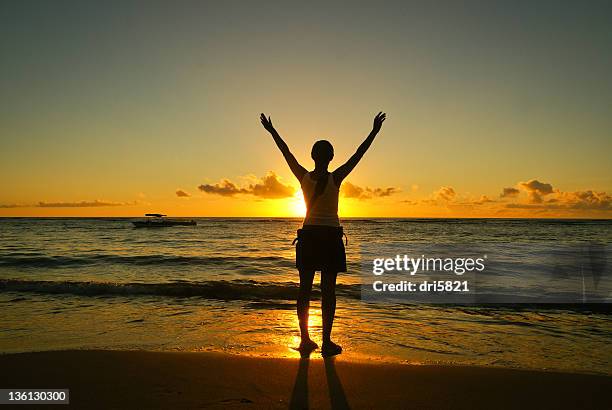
(229, 284)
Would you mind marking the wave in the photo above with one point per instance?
(223, 290)
(281, 295)
(46, 261)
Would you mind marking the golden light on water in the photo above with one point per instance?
(315, 321)
(315, 325)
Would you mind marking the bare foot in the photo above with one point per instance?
(307, 346)
(330, 349)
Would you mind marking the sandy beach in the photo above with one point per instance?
(158, 380)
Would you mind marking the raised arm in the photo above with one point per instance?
(295, 166)
(345, 169)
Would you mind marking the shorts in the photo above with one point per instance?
(320, 248)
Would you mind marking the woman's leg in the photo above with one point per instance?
(303, 303)
(328, 307)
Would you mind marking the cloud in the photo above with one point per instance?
(268, 187)
(470, 202)
(509, 193)
(559, 200)
(442, 196)
(349, 190)
(542, 200)
(445, 193)
(586, 200)
(483, 200)
(223, 188)
(524, 206)
(182, 194)
(448, 198)
(535, 185)
(578, 200)
(536, 190)
(381, 192)
(13, 206)
(543, 197)
(81, 204)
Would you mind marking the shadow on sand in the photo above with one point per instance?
(299, 395)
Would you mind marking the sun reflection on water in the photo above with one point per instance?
(292, 341)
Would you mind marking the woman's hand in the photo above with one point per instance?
(295, 166)
(343, 170)
(378, 122)
(267, 123)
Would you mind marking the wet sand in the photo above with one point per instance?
(178, 380)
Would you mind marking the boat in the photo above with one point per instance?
(160, 221)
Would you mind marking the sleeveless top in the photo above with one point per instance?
(325, 209)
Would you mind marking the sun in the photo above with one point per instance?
(298, 206)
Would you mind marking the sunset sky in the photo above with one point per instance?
(121, 108)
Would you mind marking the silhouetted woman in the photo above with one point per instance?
(320, 246)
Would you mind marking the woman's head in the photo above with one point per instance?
(322, 151)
